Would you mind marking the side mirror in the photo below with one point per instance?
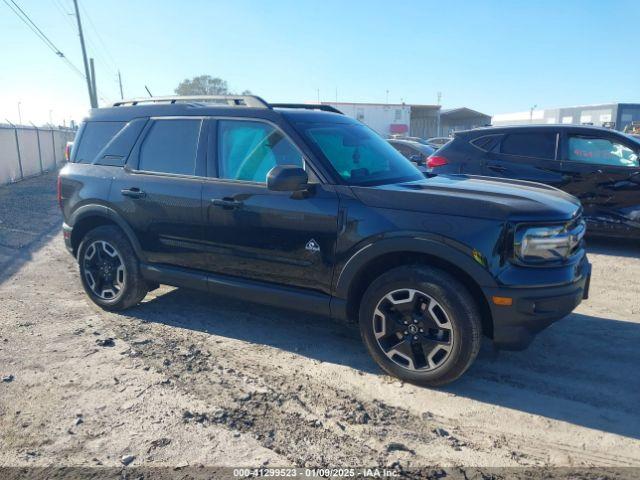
(287, 178)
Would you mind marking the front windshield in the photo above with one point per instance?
(359, 155)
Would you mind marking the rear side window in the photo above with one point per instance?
(171, 146)
(95, 137)
(540, 145)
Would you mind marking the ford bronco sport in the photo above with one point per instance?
(302, 207)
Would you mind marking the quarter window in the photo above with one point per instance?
(95, 137)
(171, 147)
(248, 150)
(487, 143)
(540, 145)
(601, 151)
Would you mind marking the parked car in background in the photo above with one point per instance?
(597, 165)
(411, 139)
(633, 128)
(413, 151)
(438, 142)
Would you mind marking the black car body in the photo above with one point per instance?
(160, 175)
(413, 151)
(598, 166)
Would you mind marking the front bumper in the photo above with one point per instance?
(534, 309)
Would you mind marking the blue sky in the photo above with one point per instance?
(493, 56)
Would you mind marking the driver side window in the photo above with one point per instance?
(248, 150)
(600, 151)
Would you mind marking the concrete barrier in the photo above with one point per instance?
(28, 151)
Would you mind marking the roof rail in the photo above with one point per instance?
(228, 100)
(307, 106)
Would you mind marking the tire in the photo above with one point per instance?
(442, 334)
(107, 262)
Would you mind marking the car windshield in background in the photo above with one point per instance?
(359, 155)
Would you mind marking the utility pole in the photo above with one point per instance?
(120, 82)
(19, 114)
(94, 98)
(531, 113)
(94, 103)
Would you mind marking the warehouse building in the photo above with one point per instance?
(458, 119)
(612, 115)
(424, 121)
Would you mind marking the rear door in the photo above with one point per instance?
(159, 192)
(604, 174)
(526, 155)
(254, 233)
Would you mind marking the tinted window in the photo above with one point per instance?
(601, 151)
(541, 145)
(403, 149)
(95, 135)
(359, 155)
(488, 142)
(248, 150)
(118, 148)
(170, 147)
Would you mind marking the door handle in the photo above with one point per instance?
(133, 192)
(496, 168)
(226, 203)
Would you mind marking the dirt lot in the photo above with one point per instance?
(190, 379)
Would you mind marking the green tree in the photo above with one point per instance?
(205, 85)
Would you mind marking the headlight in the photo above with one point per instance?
(544, 244)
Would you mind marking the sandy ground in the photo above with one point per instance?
(191, 379)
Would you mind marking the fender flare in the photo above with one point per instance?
(97, 210)
(449, 253)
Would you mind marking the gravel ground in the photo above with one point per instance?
(190, 379)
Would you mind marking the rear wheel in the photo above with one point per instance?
(421, 325)
(109, 269)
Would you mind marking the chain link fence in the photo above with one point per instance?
(29, 151)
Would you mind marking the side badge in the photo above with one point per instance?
(312, 246)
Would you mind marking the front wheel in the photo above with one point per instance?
(421, 325)
(109, 269)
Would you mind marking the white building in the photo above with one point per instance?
(613, 115)
(385, 118)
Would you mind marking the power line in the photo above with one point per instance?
(41, 35)
(32, 26)
(100, 40)
(22, 15)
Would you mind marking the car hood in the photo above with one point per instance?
(475, 196)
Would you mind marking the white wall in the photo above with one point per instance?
(34, 160)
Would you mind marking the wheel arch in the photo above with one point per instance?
(371, 261)
(88, 217)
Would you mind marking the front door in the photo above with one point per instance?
(159, 192)
(251, 232)
(526, 156)
(605, 177)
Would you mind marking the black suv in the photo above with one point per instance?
(597, 165)
(301, 207)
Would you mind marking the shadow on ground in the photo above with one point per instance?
(29, 218)
(582, 370)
